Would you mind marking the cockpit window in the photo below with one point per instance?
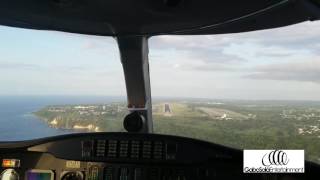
(55, 83)
(255, 90)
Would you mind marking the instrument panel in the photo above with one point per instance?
(120, 156)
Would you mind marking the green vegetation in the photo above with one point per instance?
(96, 118)
(239, 124)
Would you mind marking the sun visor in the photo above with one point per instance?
(146, 17)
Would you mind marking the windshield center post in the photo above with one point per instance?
(134, 57)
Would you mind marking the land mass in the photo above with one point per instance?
(239, 124)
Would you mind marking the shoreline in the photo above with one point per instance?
(76, 127)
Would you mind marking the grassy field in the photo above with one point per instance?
(244, 125)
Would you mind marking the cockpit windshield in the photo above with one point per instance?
(255, 90)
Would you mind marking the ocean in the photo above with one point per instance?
(17, 121)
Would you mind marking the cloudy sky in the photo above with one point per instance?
(271, 64)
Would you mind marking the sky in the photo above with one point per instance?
(277, 64)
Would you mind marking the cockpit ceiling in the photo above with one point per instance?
(152, 17)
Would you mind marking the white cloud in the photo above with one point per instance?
(307, 70)
(271, 64)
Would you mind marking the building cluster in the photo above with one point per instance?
(300, 115)
(309, 130)
(95, 110)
